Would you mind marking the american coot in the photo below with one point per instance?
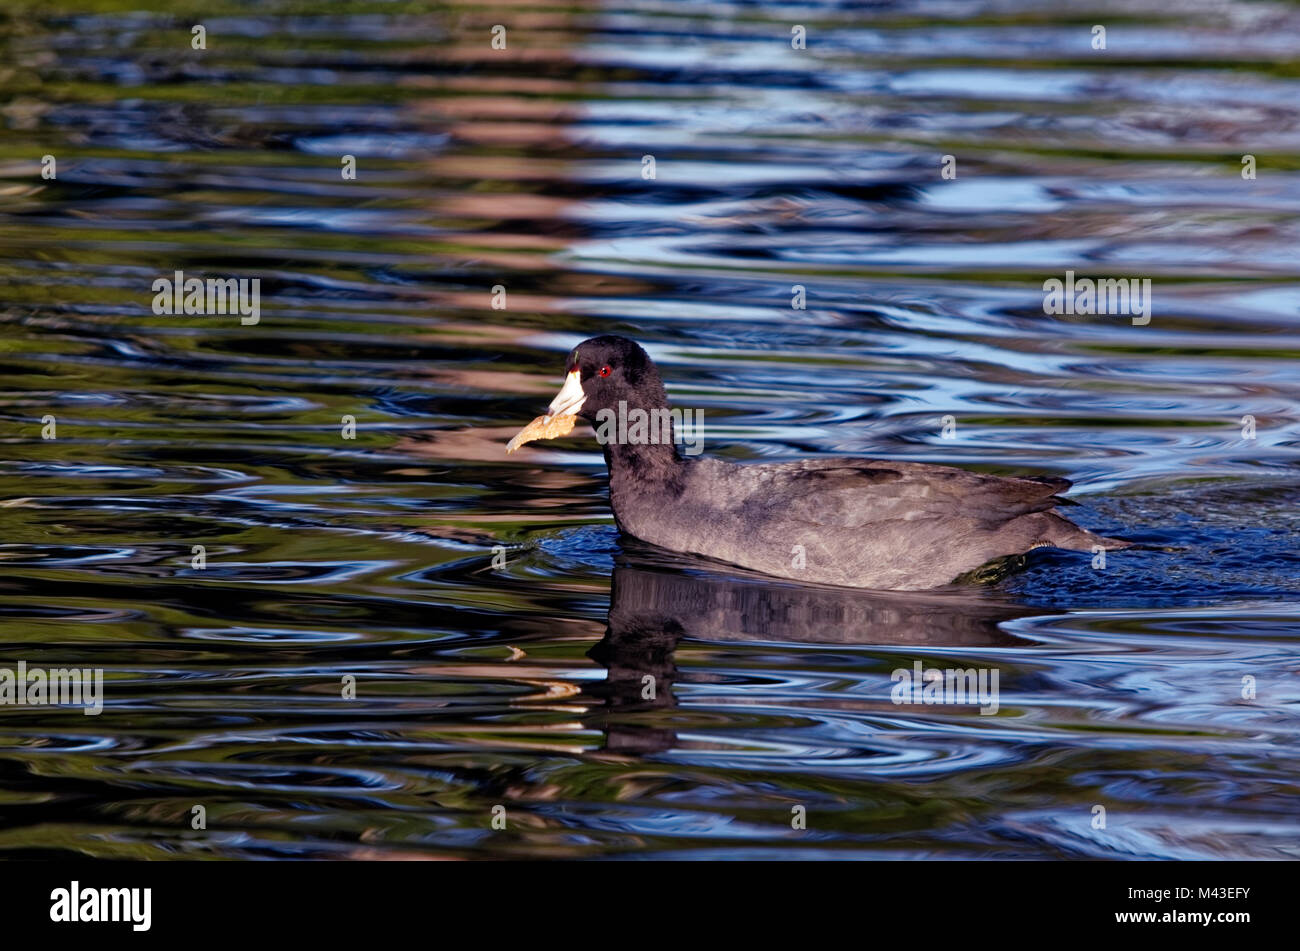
(855, 523)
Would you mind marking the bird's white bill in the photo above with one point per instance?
(570, 398)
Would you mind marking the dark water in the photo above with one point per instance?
(522, 687)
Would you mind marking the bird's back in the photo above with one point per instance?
(850, 522)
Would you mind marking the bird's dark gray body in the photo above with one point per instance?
(856, 523)
(852, 522)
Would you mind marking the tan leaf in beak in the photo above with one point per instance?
(543, 427)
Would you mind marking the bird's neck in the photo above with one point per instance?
(639, 441)
(657, 464)
(644, 464)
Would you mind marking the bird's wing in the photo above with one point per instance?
(852, 493)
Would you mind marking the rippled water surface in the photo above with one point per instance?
(523, 686)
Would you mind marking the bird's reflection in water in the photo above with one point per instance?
(657, 599)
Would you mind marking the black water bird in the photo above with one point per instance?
(857, 523)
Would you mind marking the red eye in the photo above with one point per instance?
(604, 371)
